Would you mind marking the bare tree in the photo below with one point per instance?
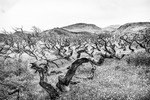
(109, 49)
(84, 50)
(143, 40)
(65, 81)
(53, 93)
(128, 41)
(59, 47)
(36, 31)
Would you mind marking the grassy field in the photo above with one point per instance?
(114, 80)
(126, 79)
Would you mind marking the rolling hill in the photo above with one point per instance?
(135, 27)
(82, 27)
(111, 28)
(60, 32)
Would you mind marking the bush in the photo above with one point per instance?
(15, 74)
(139, 59)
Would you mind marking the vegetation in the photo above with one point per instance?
(58, 64)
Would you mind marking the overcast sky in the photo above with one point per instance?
(47, 14)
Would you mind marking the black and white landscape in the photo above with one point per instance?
(84, 60)
(68, 63)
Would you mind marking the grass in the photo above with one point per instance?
(111, 83)
(127, 79)
(15, 74)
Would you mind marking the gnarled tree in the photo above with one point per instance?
(53, 93)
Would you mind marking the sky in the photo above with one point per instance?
(47, 14)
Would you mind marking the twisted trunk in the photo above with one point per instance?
(48, 87)
(64, 82)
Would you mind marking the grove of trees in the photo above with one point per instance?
(24, 54)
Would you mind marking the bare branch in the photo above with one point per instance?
(127, 41)
(111, 52)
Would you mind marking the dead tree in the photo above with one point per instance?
(84, 50)
(97, 46)
(80, 44)
(53, 93)
(31, 53)
(29, 38)
(23, 43)
(64, 82)
(121, 45)
(109, 49)
(58, 46)
(68, 54)
(130, 42)
(45, 58)
(17, 43)
(144, 42)
(36, 31)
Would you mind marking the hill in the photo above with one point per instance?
(80, 27)
(60, 32)
(111, 28)
(83, 29)
(135, 27)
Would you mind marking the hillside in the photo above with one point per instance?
(79, 27)
(60, 64)
(111, 28)
(133, 28)
(63, 32)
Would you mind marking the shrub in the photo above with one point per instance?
(138, 59)
(15, 74)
